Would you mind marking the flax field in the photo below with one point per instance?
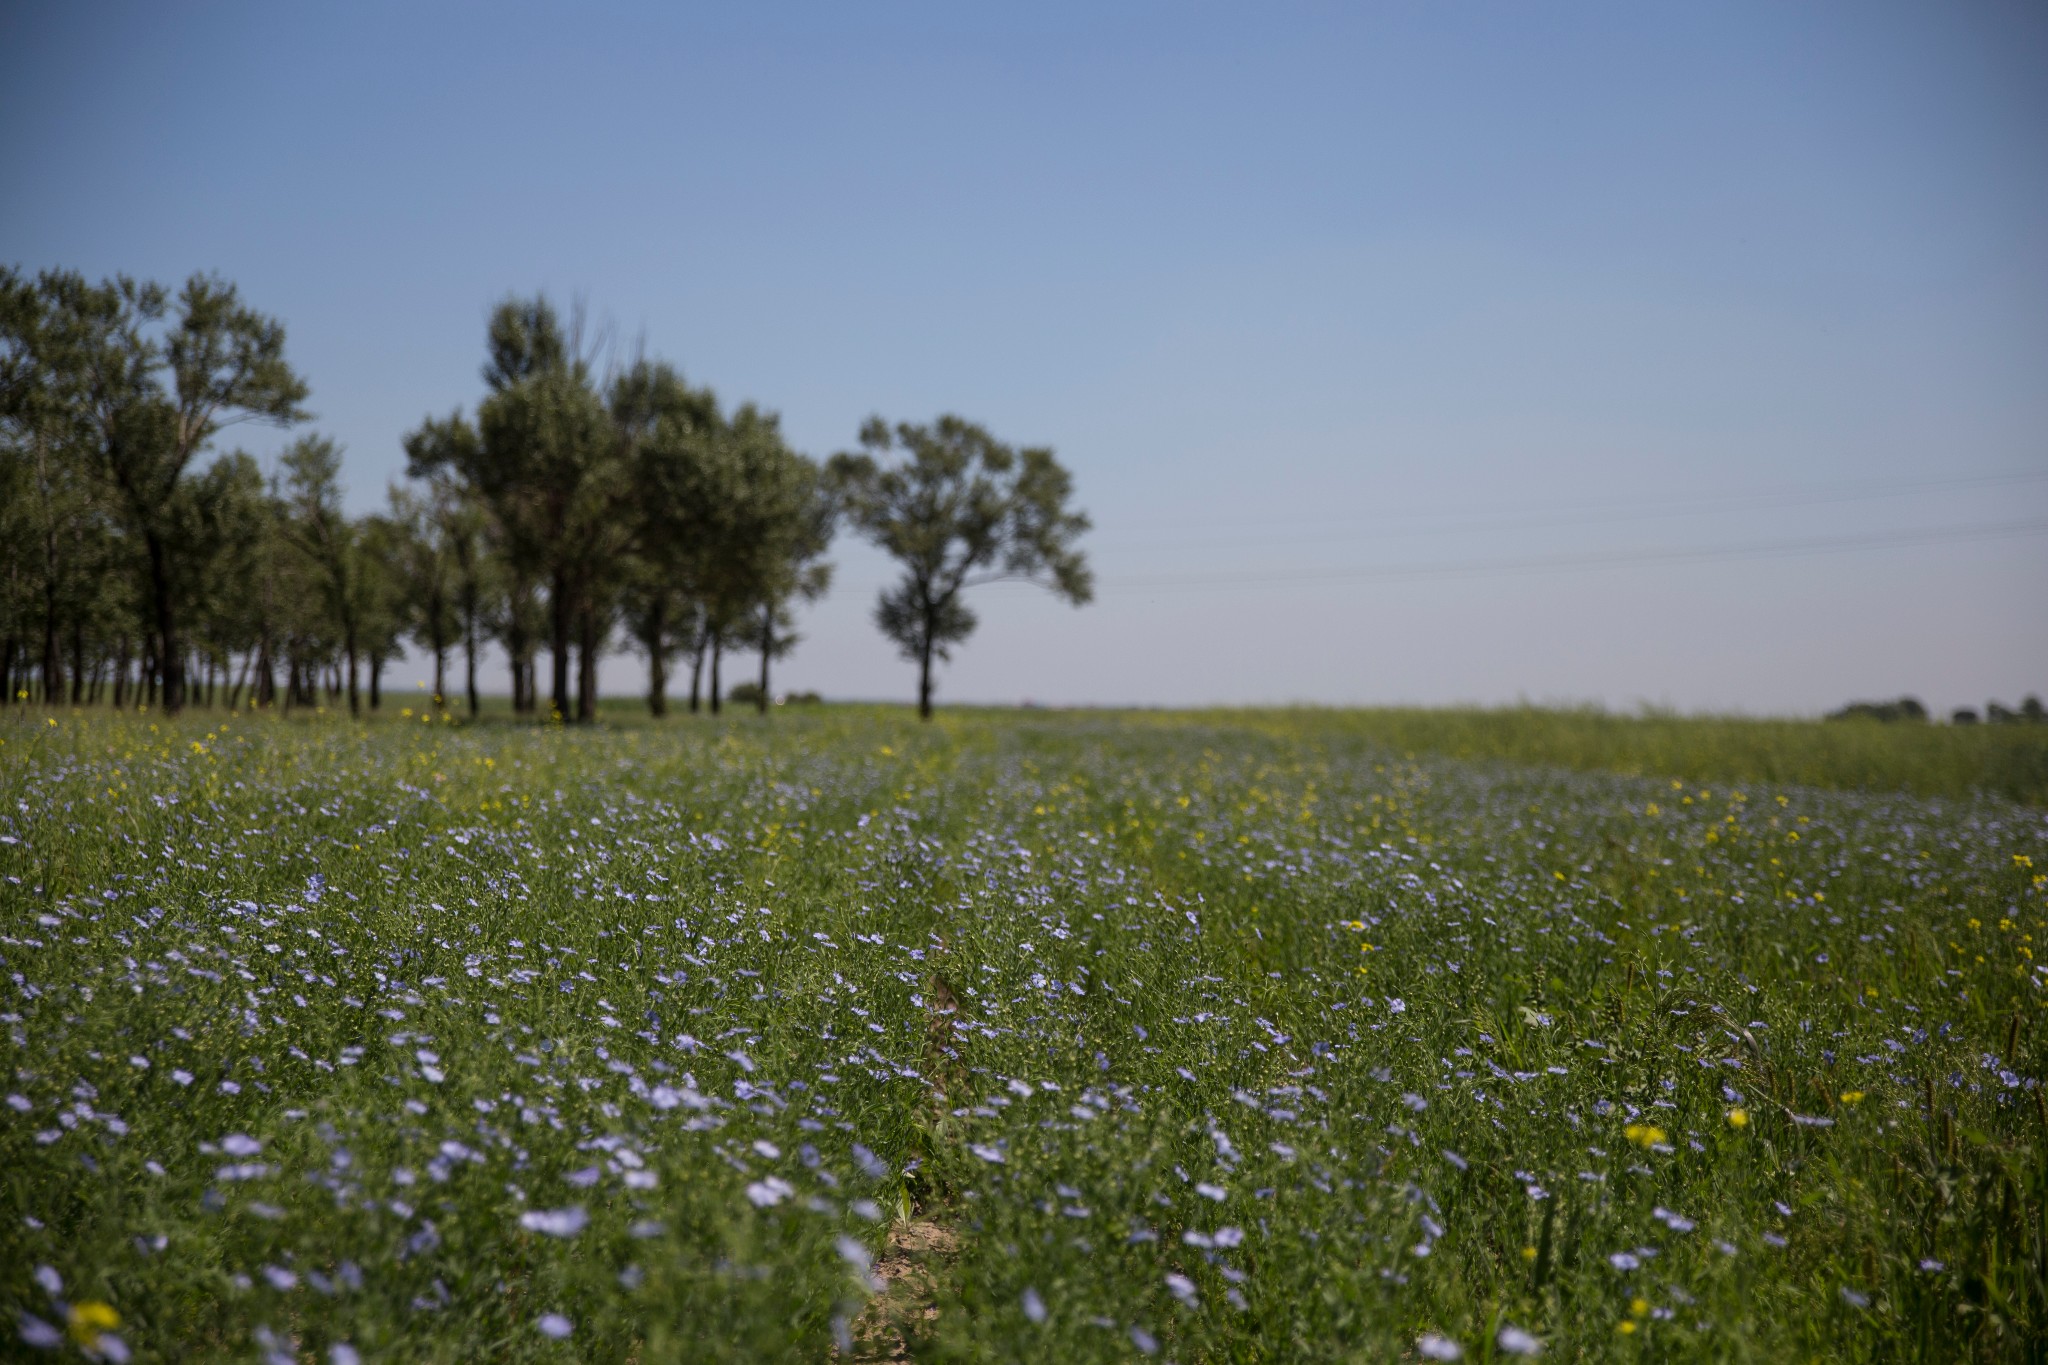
(1012, 1037)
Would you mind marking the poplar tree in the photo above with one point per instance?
(151, 380)
(958, 510)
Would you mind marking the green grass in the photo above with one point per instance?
(1930, 760)
(1234, 1037)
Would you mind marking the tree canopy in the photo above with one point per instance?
(959, 508)
(580, 504)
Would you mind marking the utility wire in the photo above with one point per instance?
(1597, 512)
(1481, 568)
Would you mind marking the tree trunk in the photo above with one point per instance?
(717, 649)
(235, 693)
(53, 650)
(7, 648)
(924, 679)
(170, 656)
(657, 663)
(355, 707)
(53, 654)
(377, 683)
(558, 611)
(77, 662)
(696, 679)
(515, 649)
(586, 665)
(767, 651)
(469, 661)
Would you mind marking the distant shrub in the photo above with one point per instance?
(1904, 709)
(1963, 715)
(744, 694)
(802, 699)
(2030, 713)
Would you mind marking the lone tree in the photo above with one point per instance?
(960, 510)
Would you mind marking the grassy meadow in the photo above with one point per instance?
(1018, 1036)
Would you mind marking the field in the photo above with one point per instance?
(1219, 1037)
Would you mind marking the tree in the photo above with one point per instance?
(382, 596)
(150, 398)
(427, 601)
(665, 429)
(460, 526)
(485, 493)
(544, 459)
(61, 567)
(960, 510)
(798, 516)
(334, 547)
(229, 518)
(546, 419)
(765, 523)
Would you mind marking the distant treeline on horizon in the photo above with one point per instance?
(588, 500)
(1910, 710)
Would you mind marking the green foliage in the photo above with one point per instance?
(126, 386)
(569, 502)
(1888, 712)
(961, 509)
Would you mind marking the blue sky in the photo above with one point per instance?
(1401, 353)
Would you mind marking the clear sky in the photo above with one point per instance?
(1689, 354)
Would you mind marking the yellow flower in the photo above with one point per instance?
(1625, 1327)
(91, 1318)
(1528, 1253)
(1643, 1134)
(1639, 1308)
(1738, 1117)
(1851, 1096)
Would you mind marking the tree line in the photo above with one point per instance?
(1913, 711)
(585, 504)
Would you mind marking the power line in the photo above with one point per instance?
(1481, 568)
(1610, 510)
